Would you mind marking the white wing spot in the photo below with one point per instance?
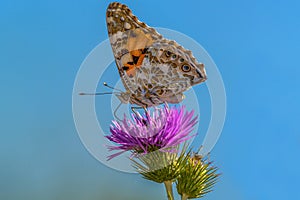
(127, 25)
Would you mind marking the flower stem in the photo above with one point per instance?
(169, 190)
(184, 197)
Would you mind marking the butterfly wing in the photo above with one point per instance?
(129, 40)
(169, 66)
(150, 66)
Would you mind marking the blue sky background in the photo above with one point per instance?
(255, 44)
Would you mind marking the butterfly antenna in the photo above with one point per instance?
(106, 85)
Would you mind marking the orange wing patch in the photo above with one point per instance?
(136, 60)
(137, 45)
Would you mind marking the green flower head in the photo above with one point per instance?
(196, 178)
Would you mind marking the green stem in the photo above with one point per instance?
(184, 197)
(169, 190)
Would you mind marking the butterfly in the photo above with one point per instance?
(153, 69)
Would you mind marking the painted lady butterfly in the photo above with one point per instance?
(154, 70)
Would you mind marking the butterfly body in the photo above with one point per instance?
(154, 70)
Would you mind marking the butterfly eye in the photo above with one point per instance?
(185, 68)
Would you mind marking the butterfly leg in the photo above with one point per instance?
(133, 109)
(167, 106)
(115, 112)
(139, 115)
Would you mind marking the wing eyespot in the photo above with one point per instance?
(186, 68)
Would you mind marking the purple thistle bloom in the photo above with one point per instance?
(164, 130)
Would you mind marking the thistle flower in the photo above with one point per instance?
(197, 178)
(163, 130)
(162, 167)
